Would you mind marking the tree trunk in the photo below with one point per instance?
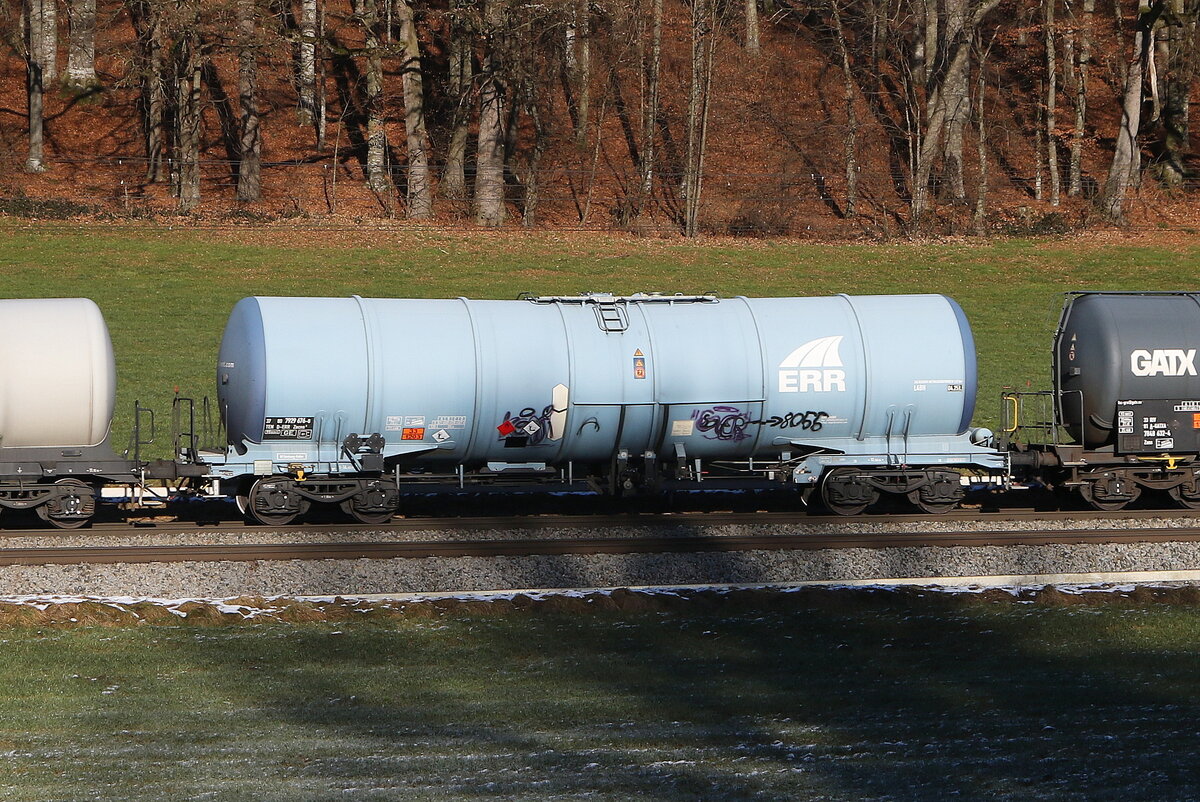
(1077, 61)
(81, 54)
(420, 193)
(378, 180)
(650, 108)
(249, 181)
(532, 179)
(981, 144)
(939, 105)
(956, 97)
(454, 181)
(306, 66)
(583, 70)
(147, 24)
(850, 142)
(49, 42)
(1039, 137)
(753, 47)
(1051, 102)
(1180, 67)
(35, 19)
(187, 111)
(698, 97)
(929, 51)
(320, 87)
(1126, 156)
(489, 154)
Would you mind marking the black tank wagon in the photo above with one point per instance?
(1123, 416)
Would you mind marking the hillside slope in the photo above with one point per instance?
(774, 157)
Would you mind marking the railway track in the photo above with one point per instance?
(705, 518)
(677, 535)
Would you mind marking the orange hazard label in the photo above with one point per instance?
(412, 434)
(1196, 420)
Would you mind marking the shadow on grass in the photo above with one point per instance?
(837, 695)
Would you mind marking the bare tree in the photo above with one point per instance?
(81, 52)
(703, 34)
(147, 19)
(306, 64)
(1078, 72)
(493, 96)
(35, 76)
(952, 60)
(753, 47)
(378, 179)
(49, 41)
(420, 193)
(1176, 44)
(580, 56)
(187, 73)
(459, 90)
(1051, 101)
(249, 183)
(650, 105)
(981, 132)
(850, 143)
(1126, 162)
(953, 93)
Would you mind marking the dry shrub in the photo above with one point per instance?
(760, 219)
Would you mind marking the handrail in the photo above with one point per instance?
(1013, 399)
(609, 298)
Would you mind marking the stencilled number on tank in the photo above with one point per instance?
(809, 420)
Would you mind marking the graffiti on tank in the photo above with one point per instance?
(730, 424)
(723, 423)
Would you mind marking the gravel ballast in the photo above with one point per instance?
(971, 564)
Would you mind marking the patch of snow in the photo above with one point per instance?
(275, 605)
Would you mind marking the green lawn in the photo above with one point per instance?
(166, 294)
(833, 696)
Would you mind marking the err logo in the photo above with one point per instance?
(1163, 362)
(813, 367)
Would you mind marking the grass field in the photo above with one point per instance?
(166, 294)
(834, 696)
(865, 696)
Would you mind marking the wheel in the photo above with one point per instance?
(1187, 501)
(273, 501)
(364, 517)
(931, 507)
(376, 504)
(844, 493)
(941, 494)
(1109, 493)
(72, 505)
